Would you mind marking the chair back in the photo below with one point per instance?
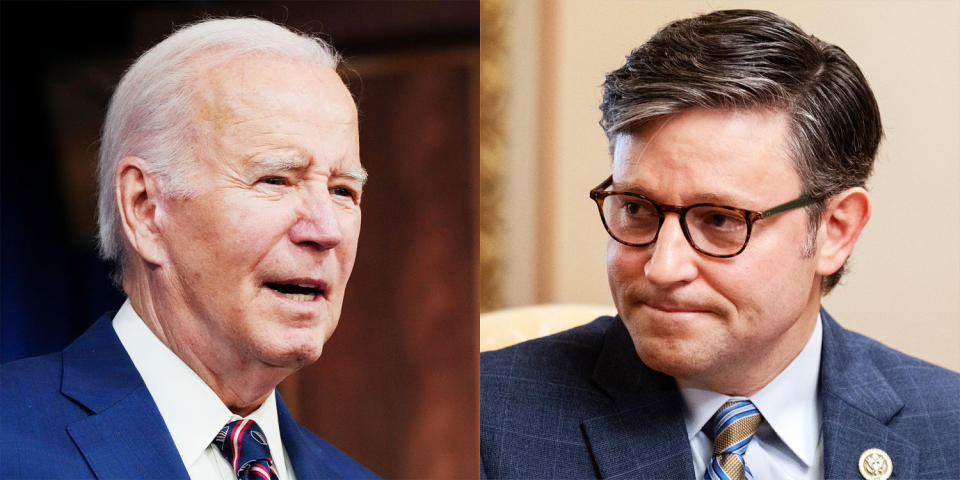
(502, 328)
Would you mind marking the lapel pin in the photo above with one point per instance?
(875, 464)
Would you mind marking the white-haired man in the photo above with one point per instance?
(230, 185)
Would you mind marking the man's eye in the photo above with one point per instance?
(344, 192)
(274, 181)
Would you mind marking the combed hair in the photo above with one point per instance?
(748, 59)
(149, 114)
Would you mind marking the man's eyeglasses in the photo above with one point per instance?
(713, 230)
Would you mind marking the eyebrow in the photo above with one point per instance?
(263, 165)
(358, 174)
(703, 197)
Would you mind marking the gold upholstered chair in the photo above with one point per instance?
(502, 328)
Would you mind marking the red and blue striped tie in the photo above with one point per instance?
(733, 428)
(245, 447)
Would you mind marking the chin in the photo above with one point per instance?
(297, 351)
(293, 358)
(675, 358)
(675, 367)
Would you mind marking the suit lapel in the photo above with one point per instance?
(857, 406)
(125, 436)
(644, 435)
(308, 462)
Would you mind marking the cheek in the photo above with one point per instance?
(624, 265)
(735, 288)
(203, 234)
(624, 261)
(347, 250)
(254, 233)
(252, 226)
(228, 239)
(761, 289)
(613, 266)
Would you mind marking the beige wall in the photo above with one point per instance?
(904, 284)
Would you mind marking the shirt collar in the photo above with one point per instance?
(789, 403)
(193, 413)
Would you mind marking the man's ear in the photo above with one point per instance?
(843, 219)
(138, 198)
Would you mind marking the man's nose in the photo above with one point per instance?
(318, 222)
(672, 258)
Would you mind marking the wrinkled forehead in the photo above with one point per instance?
(268, 109)
(256, 85)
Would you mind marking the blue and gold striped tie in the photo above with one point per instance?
(733, 428)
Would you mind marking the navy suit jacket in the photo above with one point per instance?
(581, 404)
(86, 413)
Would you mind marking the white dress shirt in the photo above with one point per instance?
(194, 414)
(788, 443)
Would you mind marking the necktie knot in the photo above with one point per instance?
(244, 445)
(734, 425)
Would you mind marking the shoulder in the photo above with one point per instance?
(34, 416)
(333, 462)
(41, 384)
(916, 401)
(29, 385)
(917, 382)
(534, 397)
(540, 370)
(24, 368)
(571, 352)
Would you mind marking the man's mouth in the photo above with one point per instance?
(674, 308)
(299, 291)
(677, 307)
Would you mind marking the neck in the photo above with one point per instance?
(241, 382)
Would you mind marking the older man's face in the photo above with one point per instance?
(260, 254)
(704, 319)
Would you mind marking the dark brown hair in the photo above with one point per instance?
(743, 59)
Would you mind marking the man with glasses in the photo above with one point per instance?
(741, 147)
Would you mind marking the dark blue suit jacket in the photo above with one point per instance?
(86, 413)
(581, 404)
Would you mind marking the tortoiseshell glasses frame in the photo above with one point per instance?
(726, 213)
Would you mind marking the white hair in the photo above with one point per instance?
(149, 115)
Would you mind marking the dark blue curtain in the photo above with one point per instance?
(53, 285)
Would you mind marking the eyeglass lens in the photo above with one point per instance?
(712, 229)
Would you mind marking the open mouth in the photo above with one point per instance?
(296, 291)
